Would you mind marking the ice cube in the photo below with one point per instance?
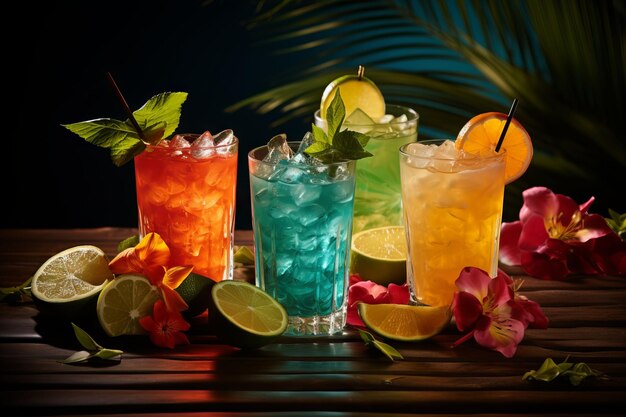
(307, 140)
(387, 118)
(225, 137)
(400, 123)
(278, 149)
(203, 147)
(177, 143)
(304, 194)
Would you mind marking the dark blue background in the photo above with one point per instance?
(56, 58)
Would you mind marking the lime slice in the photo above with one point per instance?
(196, 291)
(245, 316)
(69, 281)
(379, 255)
(357, 92)
(404, 323)
(123, 301)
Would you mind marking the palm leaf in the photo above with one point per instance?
(564, 60)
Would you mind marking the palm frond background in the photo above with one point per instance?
(564, 60)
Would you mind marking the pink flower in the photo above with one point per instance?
(556, 237)
(165, 326)
(372, 293)
(490, 311)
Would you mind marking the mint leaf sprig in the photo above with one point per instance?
(158, 118)
(336, 144)
(94, 350)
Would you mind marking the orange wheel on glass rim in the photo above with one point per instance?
(480, 136)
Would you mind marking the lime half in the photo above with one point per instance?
(245, 316)
(380, 255)
(123, 301)
(69, 281)
(404, 323)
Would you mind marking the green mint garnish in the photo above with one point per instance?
(94, 350)
(386, 349)
(550, 370)
(337, 145)
(158, 119)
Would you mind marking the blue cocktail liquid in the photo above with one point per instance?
(302, 219)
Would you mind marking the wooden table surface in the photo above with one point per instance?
(329, 376)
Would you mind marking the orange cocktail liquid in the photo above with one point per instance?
(452, 217)
(191, 203)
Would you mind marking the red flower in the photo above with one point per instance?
(372, 293)
(492, 312)
(165, 326)
(555, 237)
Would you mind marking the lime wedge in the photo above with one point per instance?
(245, 316)
(404, 323)
(379, 255)
(123, 301)
(69, 281)
(195, 290)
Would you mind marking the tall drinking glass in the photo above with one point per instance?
(452, 205)
(302, 221)
(186, 193)
(377, 198)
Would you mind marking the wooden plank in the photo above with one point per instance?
(296, 382)
(124, 401)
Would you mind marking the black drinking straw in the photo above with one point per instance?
(506, 125)
(120, 96)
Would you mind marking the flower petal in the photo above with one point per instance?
(467, 310)
(474, 281)
(126, 262)
(153, 250)
(499, 291)
(593, 227)
(510, 253)
(173, 301)
(541, 265)
(539, 201)
(175, 276)
(398, 294)
(533, 234)
(500, 332)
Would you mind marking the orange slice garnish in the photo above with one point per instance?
(480, 136)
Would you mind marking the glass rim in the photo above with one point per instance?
(194, 136)
(412, 115)
(294, 146)
(403, 152)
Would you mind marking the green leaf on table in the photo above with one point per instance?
(129, 242)
(20, 293)
(386, 349)
(93, 349)
(158, 118)
(337, 145)
(550, 370)
(85, 340)
(617, 223)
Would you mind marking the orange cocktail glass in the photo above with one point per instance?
(186, 193)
